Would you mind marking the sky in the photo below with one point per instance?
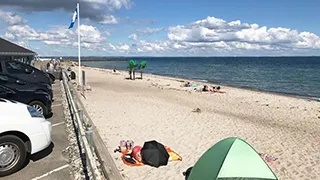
(164, 28)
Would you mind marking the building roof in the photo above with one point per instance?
(9, 48)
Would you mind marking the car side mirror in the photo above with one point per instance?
(20, 82)
(28, 71)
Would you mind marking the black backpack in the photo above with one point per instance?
(73, 75)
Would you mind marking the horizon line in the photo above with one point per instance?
(178, 56)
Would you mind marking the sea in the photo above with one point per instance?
(294, 76)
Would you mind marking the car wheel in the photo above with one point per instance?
(12, 154)
(39, 106)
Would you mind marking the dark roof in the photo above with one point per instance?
(9, 48)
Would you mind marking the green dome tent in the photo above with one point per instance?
(231, 159)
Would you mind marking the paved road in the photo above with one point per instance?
(51, 163)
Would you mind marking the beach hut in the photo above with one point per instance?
(11, 51)
(231, 159)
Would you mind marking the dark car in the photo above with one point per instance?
(39, 100)
(24, 71)
(21, 85)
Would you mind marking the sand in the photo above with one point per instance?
(157, 108)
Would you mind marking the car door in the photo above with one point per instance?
(1, 71)
(7, 93)
(11, 82)
(19, 69)
(3, 93)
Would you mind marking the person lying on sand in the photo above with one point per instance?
(136, 153)
(214, 89)
(217, 89)
(187, 84)
(205, 88)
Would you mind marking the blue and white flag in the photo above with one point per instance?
(74, 18)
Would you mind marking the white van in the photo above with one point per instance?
(23, 130)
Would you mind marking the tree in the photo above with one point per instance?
(132, 69)
(142, 65)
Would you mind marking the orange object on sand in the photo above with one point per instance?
(173, 156)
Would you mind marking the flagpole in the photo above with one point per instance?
(79, 58)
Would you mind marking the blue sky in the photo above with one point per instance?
(165, 28)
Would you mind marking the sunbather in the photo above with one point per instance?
(217, 89)
(187, 84)
(136, 153)
(205, 88)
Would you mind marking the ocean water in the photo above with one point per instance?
(298, 76)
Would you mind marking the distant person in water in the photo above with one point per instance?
(114, 70)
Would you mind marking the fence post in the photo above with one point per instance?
(84, 78)
(89, 132)
(84, 83)
(80, 112)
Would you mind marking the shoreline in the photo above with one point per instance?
(298, 96)
(158, 108)
(211, 83)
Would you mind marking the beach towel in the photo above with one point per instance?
(173, 157)
(194, 86)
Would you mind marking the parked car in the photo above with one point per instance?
(24, 71)
(41, 101)
(23, 130)
(20, 85)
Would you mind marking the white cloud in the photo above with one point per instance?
(94, 10)
(24, 32)
(12, 18)
(107, 33)
(308, 40)
(52, 42)
(109, 19)
(133, 37)
(210, 36)
(9, 36)
(23, 44)
(90, 34)
(217, 33)
(118, 4)
(91, 37)
(111, 4)
(149, 30)
(220, 24)
(124, 47)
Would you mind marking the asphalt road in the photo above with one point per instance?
(51, 163)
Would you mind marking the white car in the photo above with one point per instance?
(23, 130)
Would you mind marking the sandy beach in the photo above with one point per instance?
(158, 108)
